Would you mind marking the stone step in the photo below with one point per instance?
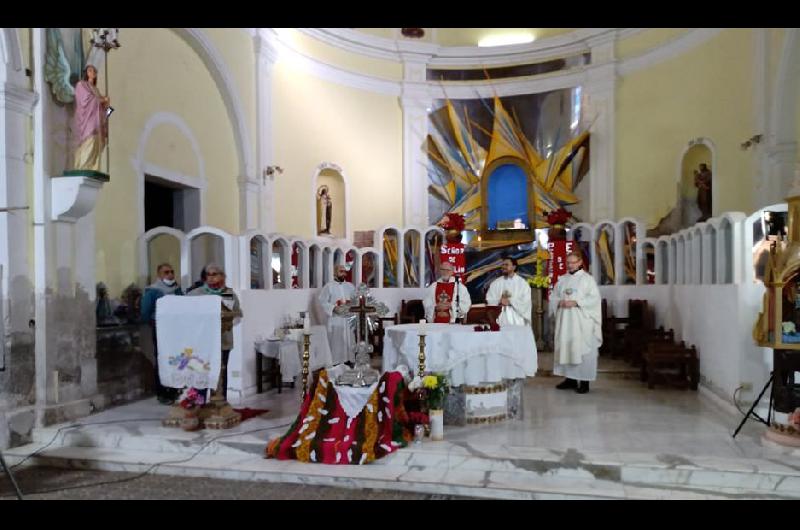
(509, 483)
(489, 471)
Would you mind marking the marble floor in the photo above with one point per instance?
(619, 441)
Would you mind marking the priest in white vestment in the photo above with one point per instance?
(576, 303)
(341, 336)
(513, 294)
(447, 299)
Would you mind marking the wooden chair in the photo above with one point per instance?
(671, 363)
(380, 333)
(638, 325)
(613, 335)
(411, 311)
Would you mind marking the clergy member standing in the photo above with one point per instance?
(513, 294)
(577, 306)
(447, 299)
(340, 335)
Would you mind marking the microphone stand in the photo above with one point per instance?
(458, 300)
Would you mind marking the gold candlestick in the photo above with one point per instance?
(421, 368)
(306, 356)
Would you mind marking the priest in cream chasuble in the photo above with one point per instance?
(576, 303)
(341, 335)
(513, 294)
(447, 299)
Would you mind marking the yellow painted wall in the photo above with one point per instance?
(168, 148)
(705, 92)
(164, 249)
(155, 71)
(315, 122)
(236, 48)
(646, 40)
(334, 56)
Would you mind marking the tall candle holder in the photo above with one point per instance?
(306, 356)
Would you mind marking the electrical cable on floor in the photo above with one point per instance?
(145, 472)
(736, 403)
(10, 477)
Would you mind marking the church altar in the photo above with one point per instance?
(466, 356)
(486, 369)
(345, 425)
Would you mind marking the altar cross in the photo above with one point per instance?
(362, 309)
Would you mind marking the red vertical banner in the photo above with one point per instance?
(558, 260)
(454, 253)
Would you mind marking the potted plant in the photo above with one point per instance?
(436, 387)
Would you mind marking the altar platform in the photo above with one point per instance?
(620, 441)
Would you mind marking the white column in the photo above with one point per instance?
(600, 89)
(415, 102)
(249, 191)
(41, 220)
(265, 62)
(16, 106)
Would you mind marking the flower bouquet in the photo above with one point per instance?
(191, 399)
(540, 280)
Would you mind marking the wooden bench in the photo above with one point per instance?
(662, 359)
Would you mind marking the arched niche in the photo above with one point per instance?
(662, 255)
(390, 257)
(299, 267)
(369, 269)
(629, 243)
(327, 265)
(604, 249)
(681, 260)
(726, 254)
(260, 262)
(696, 183)
(698, 256)
(673, 261)
(582, 236)
(433, 244)
(314, 266)
(207, 248)
(352, 262)
(649, 262)
(163, 248)
(331, 203)
(338, 257)
(710, 251)
(411, 258)
(507, 209)
(278, 265)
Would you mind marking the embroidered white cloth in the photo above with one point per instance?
(466, 356)
(189, 340)
(354, 399)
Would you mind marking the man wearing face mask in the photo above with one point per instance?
(340, 335)
(164, 285)
(576, 303)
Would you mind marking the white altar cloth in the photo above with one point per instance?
(289, 352)
(465, 355)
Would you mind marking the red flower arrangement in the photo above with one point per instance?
(558, 217)
(452, 221)
(191, 398)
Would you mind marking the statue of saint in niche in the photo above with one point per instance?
(702, 180)
(324, 210)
